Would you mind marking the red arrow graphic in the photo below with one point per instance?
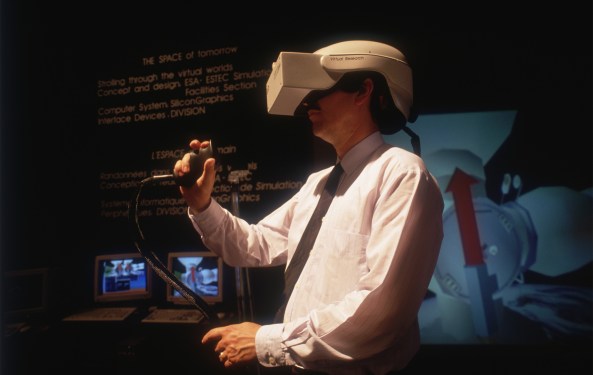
(466, 217)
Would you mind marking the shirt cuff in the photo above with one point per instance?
(271, 352)
(208, 220)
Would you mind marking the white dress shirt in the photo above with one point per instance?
(354, 308)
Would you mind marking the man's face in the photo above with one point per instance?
(331, 116)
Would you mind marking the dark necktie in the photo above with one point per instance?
(301, 254)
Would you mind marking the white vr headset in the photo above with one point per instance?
(296, 75)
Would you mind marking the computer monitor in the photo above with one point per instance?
(122, 277)
(201, 271)
(25, 293)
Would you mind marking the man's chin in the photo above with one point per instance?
(318, 131)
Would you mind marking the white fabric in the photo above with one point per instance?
(354, 308)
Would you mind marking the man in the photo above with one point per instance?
(354, 307)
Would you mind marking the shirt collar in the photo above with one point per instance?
(361, 151)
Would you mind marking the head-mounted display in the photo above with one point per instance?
(296, 76)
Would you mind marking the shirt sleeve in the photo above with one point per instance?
(240, 243)
(271, 351)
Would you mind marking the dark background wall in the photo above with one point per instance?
(536, 60)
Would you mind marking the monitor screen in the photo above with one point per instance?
(201, 271)
(121, 277)
(24, 292)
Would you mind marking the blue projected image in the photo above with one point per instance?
(479, 292)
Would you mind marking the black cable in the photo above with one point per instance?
(415, 140)
(153, 260)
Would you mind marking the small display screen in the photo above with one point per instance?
(121, 277)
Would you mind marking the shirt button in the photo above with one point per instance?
(270, 359)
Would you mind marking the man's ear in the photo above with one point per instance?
(366, 88)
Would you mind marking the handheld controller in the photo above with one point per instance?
(196, 166)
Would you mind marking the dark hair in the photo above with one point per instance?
(383, 110)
